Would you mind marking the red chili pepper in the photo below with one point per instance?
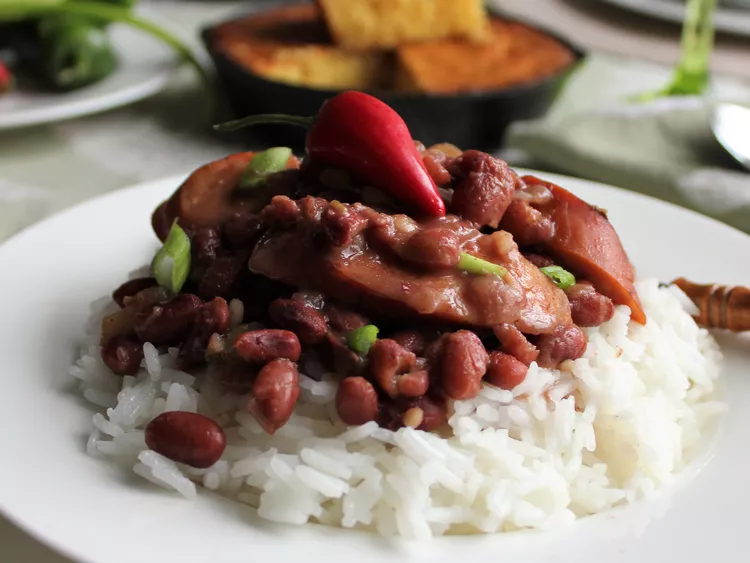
(6, 79)
(359, 133)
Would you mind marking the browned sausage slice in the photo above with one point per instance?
(204, 199)
(586, 243)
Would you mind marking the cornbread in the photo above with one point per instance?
(371, 24)
(292, 45)
(517, 54)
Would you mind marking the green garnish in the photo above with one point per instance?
(104, 12)
(562, 277)
(361, 340)
(478, 267)
(691, 75)
(263, 165)
(171, 264)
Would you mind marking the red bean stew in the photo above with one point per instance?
(410, 310)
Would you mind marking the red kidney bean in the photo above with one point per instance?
(275, 392)
(464, 363)
(387, 360)
(566, 343)
(589, 307)
(213, 317)
(528, 225)
(243, 228)
(312, 210)
(168, 323)
(434, 413)
(516, 344)
(341, 223)
(343, 321)
(130, 288)
(393, 413)
(413, 384)
(122, 322)
(186, 437)
(433, 162)
(162, 218)
(263, 346)
(485, 188)
(356, 401)
(123, 354)
(412, 340)
(305, 321)
(282, 212)
(205, 246)
(505, 371)
(339, 357)
(221, 276)
(432, 248)
(450, 150)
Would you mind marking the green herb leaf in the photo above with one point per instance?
(263, 165)
(562, 278)
(362, 339)
(171, 264)
(478, 267)
(109, 12)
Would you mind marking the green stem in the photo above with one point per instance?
(264, 118)
(12, 10)
(479, 267)
(691, 76)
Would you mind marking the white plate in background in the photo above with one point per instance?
(144, 68)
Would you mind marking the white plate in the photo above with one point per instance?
(93, 511)
(145, 66)
(728, 19)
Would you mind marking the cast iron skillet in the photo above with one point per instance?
(475, 120)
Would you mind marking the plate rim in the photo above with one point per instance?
(27, 526)
(92, 104)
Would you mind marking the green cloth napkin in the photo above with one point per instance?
(663, 148)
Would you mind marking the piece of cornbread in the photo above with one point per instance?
(378, 24)
(292, 45)
(515, 55)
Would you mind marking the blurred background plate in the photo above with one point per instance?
(145, 67)
(732, 16)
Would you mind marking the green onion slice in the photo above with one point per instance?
(562, 278)
(477, 266)
(263, 165)
(361, 340)
(171, 264)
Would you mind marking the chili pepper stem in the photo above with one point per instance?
(252, 120)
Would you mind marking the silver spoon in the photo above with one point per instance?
(731, 127)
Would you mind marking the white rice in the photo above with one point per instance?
(608, 429)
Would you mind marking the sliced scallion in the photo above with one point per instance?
(361, 340)
(171, 264)
(562, 277)
(263, 165)
(478, 267)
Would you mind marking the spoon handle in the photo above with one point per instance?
(719, 306)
